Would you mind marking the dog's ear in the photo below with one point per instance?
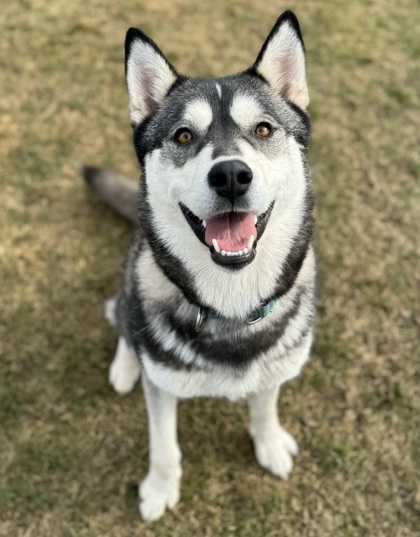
(281, 61)
(149, 75)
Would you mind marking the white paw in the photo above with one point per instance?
(110, 313)
(157, 494)
(125, 368)
(275, 451)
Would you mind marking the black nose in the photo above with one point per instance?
(230, 178)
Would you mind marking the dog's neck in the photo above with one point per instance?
(236, 294)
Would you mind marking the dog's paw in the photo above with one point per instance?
(275, 452)
(157, 494)
(125, 369)
(110, 311)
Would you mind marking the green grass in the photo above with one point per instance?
(71, 450)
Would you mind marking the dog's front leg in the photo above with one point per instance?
(274, 446)
(160, 488)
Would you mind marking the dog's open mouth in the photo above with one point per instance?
(232, 237)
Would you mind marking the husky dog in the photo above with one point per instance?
(217, 296)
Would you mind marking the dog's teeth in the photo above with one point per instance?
(229, 254)
(250, 242)
(255, 218)
(204, 223)
(216, 246)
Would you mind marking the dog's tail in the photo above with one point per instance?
(114, 189)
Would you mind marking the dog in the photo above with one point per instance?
(217, 295)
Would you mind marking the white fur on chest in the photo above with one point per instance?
(266, 372)
(268, 369)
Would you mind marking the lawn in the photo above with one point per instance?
(71, 450)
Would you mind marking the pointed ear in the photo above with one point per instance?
(149, 75)
(281, 61)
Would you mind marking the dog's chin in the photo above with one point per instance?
(230, 260)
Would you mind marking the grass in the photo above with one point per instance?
(71, 451)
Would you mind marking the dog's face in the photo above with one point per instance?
(222, 158)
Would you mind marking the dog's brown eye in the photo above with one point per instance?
(183, 136)
(263, 130)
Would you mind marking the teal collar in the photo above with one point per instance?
(255, 315)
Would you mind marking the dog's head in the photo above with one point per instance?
(220, 157)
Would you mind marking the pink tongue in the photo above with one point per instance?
(232, 231)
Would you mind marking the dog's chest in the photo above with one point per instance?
(222, 360)
(217, 380)
(219, 362)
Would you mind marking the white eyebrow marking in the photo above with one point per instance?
(219, 90)
(246, 111)
(199, 113)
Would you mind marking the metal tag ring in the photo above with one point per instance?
(199, 321)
